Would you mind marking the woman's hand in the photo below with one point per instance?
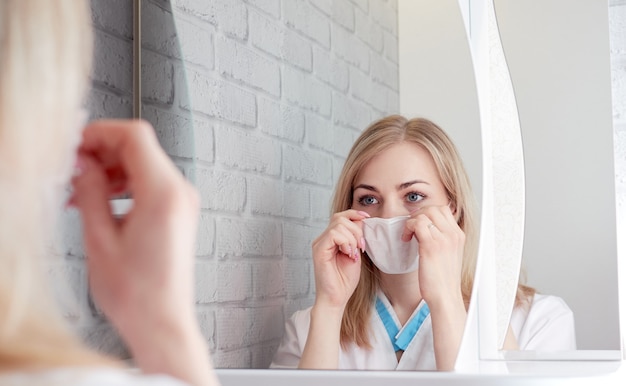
(337, 259)
(141, 267)
(441, 245)
(337, 264)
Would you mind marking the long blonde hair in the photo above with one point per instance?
(46, 50)
(379, 136)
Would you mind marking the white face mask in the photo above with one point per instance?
(384, 245)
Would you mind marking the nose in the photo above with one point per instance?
(393, 208)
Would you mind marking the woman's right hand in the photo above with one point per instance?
(337, 259)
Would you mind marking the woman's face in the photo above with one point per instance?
(398, 181)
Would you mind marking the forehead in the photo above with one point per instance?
(402, 162)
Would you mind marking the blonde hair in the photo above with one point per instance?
(46, 51)
(379, 136)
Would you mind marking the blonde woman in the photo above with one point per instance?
(140, 269)
(368, 316)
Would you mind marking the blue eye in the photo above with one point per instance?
(368, 200)
(414, 197)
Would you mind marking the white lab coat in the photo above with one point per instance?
(547, 325)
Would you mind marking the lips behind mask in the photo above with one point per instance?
(384, 245)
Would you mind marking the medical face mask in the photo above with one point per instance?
(384, 245)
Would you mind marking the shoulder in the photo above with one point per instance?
(87, 377)
(548, 305)
(546, 324)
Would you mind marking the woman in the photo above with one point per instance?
(140, 268)
(365, 317)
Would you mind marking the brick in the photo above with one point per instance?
(296, 50)
(344, 138)
(351, 49)
(319, 132)
(204, 140)
(234, 281)
(205, 282)
(297, 276)
(365, 90)
(307, 165)
(247, 150)
(175, 132)
(343, 13)
(114, 16)
(297, 201)
(195, 44)
(178, 38)
(253, 325)
(281, 121)
(268, 280)
(113, 61)
(368, 31)
(240, 63)
(384, 15)
(231, 17)
(265, 195)
(326, 6)
(266, 34)
(271, 7)
(205, 240)
(350, 112)
(384, 72)
(248, 237)
(298, 239)
(305, 91)
(331, 70)
(220, 190)
(390, 47)
(219, 99)
(363, 4)
(321, 201)
(206, 320)
(104, 104)
(157, 78)
(299, 15)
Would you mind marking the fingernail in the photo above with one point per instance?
(362, 243)
(351, 251)
(364, 214)
(79, 166)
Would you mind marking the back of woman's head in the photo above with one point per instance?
(379, 136)
(45, 59)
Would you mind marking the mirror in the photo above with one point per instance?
(269, 97)
(560, 71)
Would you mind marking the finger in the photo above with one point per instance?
(345, 241)
(92, 200)
(354, 227)
(129, 148)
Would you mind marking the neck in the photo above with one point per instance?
(403, 292)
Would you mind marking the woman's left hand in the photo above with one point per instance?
(441, 244)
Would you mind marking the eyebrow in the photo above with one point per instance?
(403, 185)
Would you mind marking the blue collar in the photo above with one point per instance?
(401, 339)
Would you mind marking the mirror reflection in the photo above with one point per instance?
(259, 103)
